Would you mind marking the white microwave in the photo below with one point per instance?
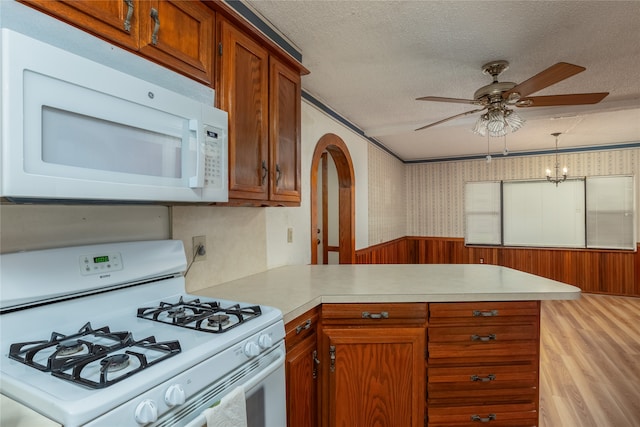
(74, 129)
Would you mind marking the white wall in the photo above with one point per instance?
(315, 124)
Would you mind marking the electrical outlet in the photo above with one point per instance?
(199, 248)
(290, 235)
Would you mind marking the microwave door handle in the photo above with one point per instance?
(197, 181)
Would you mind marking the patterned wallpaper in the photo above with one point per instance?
(434, 192)
(387, 197)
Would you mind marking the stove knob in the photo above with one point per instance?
(146, 412)
(175, 395)
(251, 349)
(265, 341)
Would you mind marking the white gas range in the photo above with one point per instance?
(105, 335)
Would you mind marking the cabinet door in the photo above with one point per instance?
(179, 35)
(114, 20)
(373, 377)
(243, 92)
(301, 371)
(284, 135)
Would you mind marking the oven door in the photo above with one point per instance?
(263, 380)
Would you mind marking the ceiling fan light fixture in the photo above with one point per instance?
(513, 120)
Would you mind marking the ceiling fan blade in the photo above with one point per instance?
(543, 79)
(456, 100)
(451, 118)
(556, 100)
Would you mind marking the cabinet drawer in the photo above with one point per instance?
(475, 376)
(484, 312)
(378, 314)
(507, 415)
(483, 333)
(301, 327)
(483, 350)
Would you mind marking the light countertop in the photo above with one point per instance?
(296, 289)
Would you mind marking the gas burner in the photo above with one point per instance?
(218, 320)
(206, 316)
(69, 348)
(115, 363)
(176, 313)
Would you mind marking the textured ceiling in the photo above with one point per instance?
(369, 60)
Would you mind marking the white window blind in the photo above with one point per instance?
(482, 204)
(537, 213)
(610, 212)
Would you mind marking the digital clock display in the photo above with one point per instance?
(99, 259)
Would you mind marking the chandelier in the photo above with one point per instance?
(557, 179)
(498, 121)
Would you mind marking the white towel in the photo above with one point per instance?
(230, 412)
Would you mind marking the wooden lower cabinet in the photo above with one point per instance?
(483, 364)
(301, 367)
(415, 365)
(372, 367)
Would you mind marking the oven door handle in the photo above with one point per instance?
(274, 366)
(201, 420)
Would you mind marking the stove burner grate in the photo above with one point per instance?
(200, 315)
(67, 355)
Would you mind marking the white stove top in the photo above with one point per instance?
(72, 404)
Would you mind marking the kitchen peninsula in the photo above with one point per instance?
(454, 344)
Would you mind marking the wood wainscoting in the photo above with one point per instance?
(596, 271)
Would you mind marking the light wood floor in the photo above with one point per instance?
(590, 362)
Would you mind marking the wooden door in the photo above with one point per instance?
(243, 92)
(373, 377)
(284, 138)
(113, 20)
(179, 35)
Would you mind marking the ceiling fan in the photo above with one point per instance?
(497, 97)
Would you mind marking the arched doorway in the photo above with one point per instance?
(337, 149)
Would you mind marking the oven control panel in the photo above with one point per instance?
(100, 263)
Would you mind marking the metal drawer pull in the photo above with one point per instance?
(156, 27)
(127, 20)
(381, 315)
(304, 326)
(486, 379)
(487, 338)
(479, 313)
(265, 171)
(491, 417)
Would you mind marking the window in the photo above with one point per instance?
(610, 213)
(482, 213)
(596, 212)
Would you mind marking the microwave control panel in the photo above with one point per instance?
(214, 157)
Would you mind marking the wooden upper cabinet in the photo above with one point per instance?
(243, 92)
(113, 20)
(284, 111)
(179, 34)
(184, 30)
(262, 96)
